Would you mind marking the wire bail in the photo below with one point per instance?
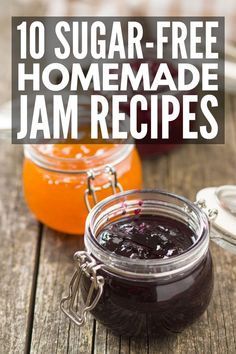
(211, 213)
(86, 266)
(91, 191)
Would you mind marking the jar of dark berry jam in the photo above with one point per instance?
(147, 264)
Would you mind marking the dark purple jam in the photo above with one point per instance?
(158, 306)
(147, 237)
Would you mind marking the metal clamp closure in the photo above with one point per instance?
(86, 265)
(91, 191)
(211, 213)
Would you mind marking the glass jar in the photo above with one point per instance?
(131, 296)
(60, 190)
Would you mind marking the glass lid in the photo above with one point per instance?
(223, 225)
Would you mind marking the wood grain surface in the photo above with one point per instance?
(18, 253)
(36, 264)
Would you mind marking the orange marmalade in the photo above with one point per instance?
(61, 181)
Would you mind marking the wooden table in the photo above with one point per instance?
(36, 263)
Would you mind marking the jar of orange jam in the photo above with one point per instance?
(63, 181)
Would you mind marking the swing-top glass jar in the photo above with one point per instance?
(146, 264)
(63, 181)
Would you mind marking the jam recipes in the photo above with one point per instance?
(61, 181)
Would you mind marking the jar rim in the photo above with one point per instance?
(50, 163)
(148, 268)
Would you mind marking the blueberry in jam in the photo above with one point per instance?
(147, 237)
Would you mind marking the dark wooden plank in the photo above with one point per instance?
(124, 345)
(19, 240)
(100, 340)
(52, 332)
(113, 343)
(139, 345)
(156, 173)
